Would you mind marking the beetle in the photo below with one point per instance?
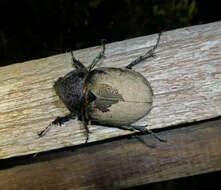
(115, 97)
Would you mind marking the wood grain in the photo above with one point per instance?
(185, 76)
(190, 150)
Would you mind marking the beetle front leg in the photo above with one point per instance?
(58, 121)
(150, 53)
(76, 63)
(99, 56)
(85, 124)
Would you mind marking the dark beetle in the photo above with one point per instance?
(114, 97)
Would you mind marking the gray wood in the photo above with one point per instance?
(185, 76)
(190, 150)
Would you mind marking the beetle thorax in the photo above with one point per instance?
(70, 89)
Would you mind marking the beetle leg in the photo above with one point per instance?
(99, 56)
(58, 121)
(85, 123)
(148, 54)
(129, 127)
(76, 63)
(142, 129)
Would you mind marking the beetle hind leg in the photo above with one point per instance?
(143, 129)
(148, 54)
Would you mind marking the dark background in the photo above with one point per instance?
(31, 29)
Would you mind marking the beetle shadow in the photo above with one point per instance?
(139, 138)
(138, 135)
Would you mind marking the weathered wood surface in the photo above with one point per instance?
(191, 150)
(185, 76)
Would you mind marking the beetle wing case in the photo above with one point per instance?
(123, 96)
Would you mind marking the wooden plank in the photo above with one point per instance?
(185, 76)
(190, 150)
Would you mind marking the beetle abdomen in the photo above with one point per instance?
(123, 96)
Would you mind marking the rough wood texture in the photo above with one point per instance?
(185, 76)
(191, 150)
